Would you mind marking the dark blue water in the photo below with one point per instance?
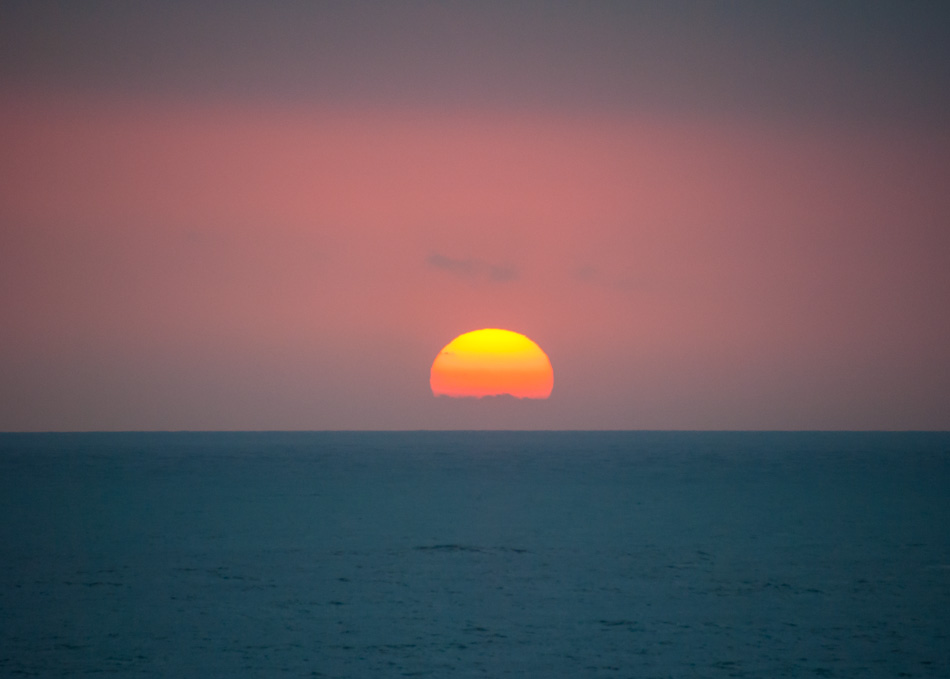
(475, 554)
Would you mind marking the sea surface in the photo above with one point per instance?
(475, 554)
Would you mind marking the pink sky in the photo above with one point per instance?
(228, 262)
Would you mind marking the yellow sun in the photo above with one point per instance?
(492, 362)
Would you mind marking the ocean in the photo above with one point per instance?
(475, 554)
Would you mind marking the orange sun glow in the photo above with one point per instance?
(492, 362)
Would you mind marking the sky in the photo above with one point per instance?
(257, 215)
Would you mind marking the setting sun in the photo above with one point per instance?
(492, 362)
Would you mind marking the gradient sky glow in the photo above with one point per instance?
(247, 216)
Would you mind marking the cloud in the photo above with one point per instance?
(596, 276)
(473, 268)
(502, 273)
(464, 267)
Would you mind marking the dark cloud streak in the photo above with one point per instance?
(473, 268)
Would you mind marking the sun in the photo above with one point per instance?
(492, 362)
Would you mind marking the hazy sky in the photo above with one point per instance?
(274, 215)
